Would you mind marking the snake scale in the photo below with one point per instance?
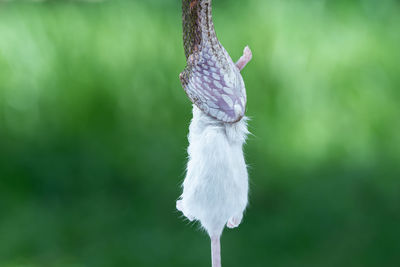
(211, 79)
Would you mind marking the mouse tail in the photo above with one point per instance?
(215, 251)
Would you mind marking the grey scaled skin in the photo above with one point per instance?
(211, 80)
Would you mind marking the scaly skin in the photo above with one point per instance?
(211, 80)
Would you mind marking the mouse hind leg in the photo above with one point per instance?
(234, 221)
(247, 56)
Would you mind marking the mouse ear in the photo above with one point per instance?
(217, 91)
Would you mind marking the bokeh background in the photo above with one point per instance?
(93, 125)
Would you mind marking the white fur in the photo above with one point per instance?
(216, 185)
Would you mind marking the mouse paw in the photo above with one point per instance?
(247, 56)
(234, 221)
(179, 206)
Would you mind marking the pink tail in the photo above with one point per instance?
(215, 251)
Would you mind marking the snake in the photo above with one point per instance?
(211, 80)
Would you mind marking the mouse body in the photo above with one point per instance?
(215, 189)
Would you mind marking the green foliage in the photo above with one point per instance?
(93, 125)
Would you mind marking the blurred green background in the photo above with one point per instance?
(93, 125)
